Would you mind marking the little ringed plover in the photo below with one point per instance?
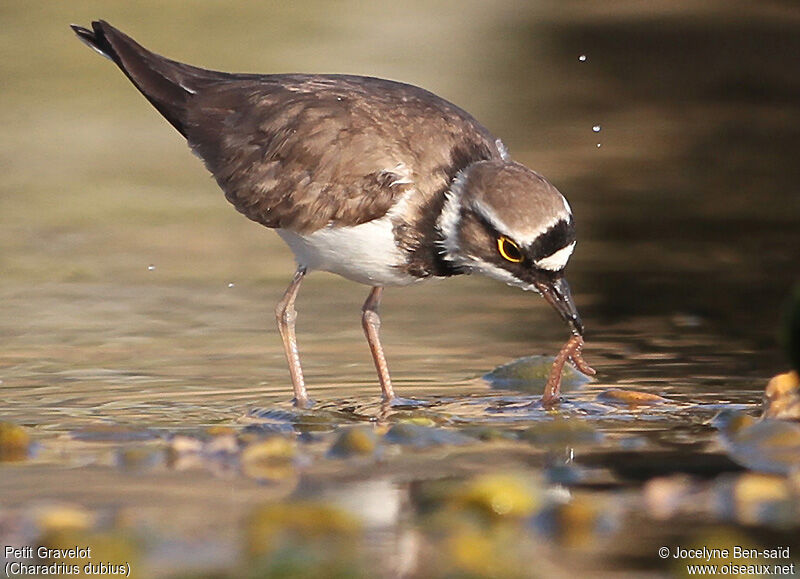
(381, 182)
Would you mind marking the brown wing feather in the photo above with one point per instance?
(305, 151)
(290, 160)
(302, 152)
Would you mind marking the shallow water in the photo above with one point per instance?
(156, 397)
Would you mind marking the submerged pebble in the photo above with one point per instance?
(498, 495)
(14, 442)
(561, 431)
(456, 546)
(354, 441)
(63, 517)
(782, 397)
(217, 452)
(139, 458)
(756, 499)
(410, 434)
(631, 398)
(665, 497)
(418, 420)
(181, 445)
(313, 527)
(747, 498)
(730, 421)
(271, 459)
(67, 526)
(479, 527)
(488, 433)
(577, 522)
(530, 374)
(765, 445)
(113, 552)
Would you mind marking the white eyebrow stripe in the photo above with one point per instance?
(491, 217)
(558, 260)
(523, 240)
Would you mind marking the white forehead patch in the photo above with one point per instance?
(558, 260)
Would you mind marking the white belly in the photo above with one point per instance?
(364, 253)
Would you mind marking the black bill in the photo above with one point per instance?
(557, 293)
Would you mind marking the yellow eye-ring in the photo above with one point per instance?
(509, 250)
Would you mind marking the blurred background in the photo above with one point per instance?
(689, 204)
(131, 292)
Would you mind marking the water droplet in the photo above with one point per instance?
(599, 145)
(582, 58)
(231, 284)
(597, 128)
(151, 267)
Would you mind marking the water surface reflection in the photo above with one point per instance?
(156, 397)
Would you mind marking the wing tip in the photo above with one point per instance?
(95, 38)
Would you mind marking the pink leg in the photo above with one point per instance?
(286, 316)
(371, 322)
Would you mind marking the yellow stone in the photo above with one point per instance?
(752, 491)
(500, 495)
(782, 397)
(297, 521)
(630, 397)
(58, 518)
(270, 459)
(14, 442)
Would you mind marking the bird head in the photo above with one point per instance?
(507, 222)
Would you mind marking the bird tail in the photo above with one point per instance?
(167, 84)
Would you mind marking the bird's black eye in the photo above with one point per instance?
(509, 250)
